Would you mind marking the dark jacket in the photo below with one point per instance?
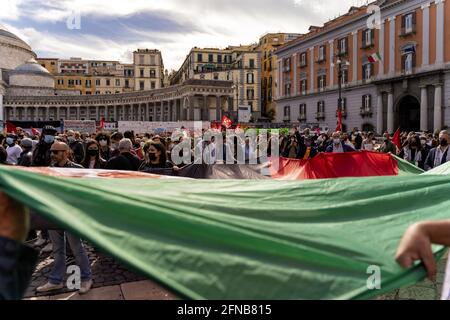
(100, 164)
(17, 263)
(155, 168)
(125, 161)
(41, 155)
(25, 159)
(429, 162)
(77, 148)
(69, 164)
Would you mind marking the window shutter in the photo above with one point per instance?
(363, 105)
(403, 62)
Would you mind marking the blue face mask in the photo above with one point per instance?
(9, 141)
(49, 139)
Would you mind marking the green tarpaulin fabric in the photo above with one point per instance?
(241, 239)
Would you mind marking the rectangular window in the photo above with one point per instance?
(210, 58)
(302, 112)
(342, 46)
(88, 83)
(409, 23)
(367, 71)
(250, 78)
(303, 59)
(219, 58)
(141, 85)
(141, 72)
(97, 82)
(153, 84)
(322, 82)
(408, 63)
(303, 86)
(250, 94)
(141, 59)
(152, 73)
(199, 57)
(287, 65)
(127, 83)
(287, 89)
(117, 82)
(320, 110)
(322, 53)
(108, 82)
(152, 60)
(368, 38)
(287, 113)
(252, 63)
(367, 103)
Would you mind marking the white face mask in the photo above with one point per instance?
(103, 143)
(336, 141)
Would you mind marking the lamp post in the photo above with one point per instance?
(339, 63)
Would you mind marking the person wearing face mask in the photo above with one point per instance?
(76, 145)
(41, 153)
(115, 140)
(93, 160)
(104, 143)
(13, 150)
(155, 158)
(412, 151)
(337, 145)
(439, 155)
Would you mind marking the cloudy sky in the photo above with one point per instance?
(113, 29)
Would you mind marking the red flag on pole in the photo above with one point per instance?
(35, 132)
(10, 128)
(339, 121)
(102, 124)
(226, 122)
(396, 139)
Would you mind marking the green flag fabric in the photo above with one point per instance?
(243, 239)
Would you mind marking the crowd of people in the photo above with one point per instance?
(147, 152)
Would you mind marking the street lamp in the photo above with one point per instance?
(339, 63)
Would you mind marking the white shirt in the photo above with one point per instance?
(13, 154)
(439, 155)
(338, 148)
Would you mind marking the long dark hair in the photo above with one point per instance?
(158, 146)
(87, 158)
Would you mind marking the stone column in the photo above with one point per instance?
(79, 114)
(36, 113)
(58, 115)
(191, 108)
(331, 43)
(392, 48)
(14, 115)
(355, 64)
(116, 116)
(423, 108)
(97, 115)
(380, 113)
(218, 108)
(205, 116)
(425, 34)
(440, 45)
(381, 48)
(147, 111)
(390, 113)
(437, 107)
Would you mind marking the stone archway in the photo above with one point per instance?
(408, 113)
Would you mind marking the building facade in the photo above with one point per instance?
(93, 77)
(394, 75)
(240, 64)
(28, 91)
(268, 44)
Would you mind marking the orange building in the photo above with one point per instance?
(394, 64)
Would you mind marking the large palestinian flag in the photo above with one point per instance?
(242, 239)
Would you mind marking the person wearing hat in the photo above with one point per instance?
(26, 157)
(59, 154)
(41, 154)
(13, 150)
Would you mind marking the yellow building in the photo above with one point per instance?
(91, 77)
(148, 69)
(268, 44)
(239, 64)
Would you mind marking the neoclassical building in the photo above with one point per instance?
(395, 69)
(27, 93)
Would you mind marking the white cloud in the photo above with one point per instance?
(221, 23)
